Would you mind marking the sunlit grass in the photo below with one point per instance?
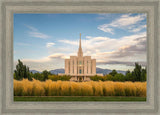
(67, 88)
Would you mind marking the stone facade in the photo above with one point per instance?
(80, 67)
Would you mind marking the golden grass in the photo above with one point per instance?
(67, 88)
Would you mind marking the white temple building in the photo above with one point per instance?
(80, 67)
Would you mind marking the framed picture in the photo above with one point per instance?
(72, 57)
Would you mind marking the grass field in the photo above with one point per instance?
(74, 98)
(68, 88)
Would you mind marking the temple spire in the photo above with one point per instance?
(80, 41)
(80, 53)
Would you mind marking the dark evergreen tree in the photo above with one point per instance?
(22, 71)
(138, 73)
(143, 75)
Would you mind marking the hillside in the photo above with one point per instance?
(98, 70)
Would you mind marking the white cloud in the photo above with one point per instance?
(41, 60)
(124, 22)
(106, 28)
(127, 20)
(38, 35)
(45, 59)
(57, 55)
(35, 33)
(138, 28)
(31, 28)
(104, 49)
(51, 62)
(50, 44)
(117, 67)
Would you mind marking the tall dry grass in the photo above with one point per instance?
(67, 88)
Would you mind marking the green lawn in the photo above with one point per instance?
(71, 98)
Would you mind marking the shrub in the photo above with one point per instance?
(97, 78)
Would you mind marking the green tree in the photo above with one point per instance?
(143, 75)
(138, 73)
(22, 71)
(119, 77)
(113, 73)
(129, 77)
(45, 74)
(97, 78)
(38, 76)
(128, 71)
(109, 77)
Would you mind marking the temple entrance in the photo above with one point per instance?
(80, 78)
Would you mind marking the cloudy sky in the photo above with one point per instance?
(116, 41)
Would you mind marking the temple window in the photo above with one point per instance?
(80, 71)
(80, 62)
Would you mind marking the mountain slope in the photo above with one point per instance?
(98, 70)
(56, 71)
(35, 71)
(107, 71)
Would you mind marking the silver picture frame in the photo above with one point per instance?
(9, 7)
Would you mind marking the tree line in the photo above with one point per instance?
(138, 74)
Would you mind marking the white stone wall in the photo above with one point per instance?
(75, 65)
(93, 66)
(87, 66)
(67, 67)
(71, 65)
